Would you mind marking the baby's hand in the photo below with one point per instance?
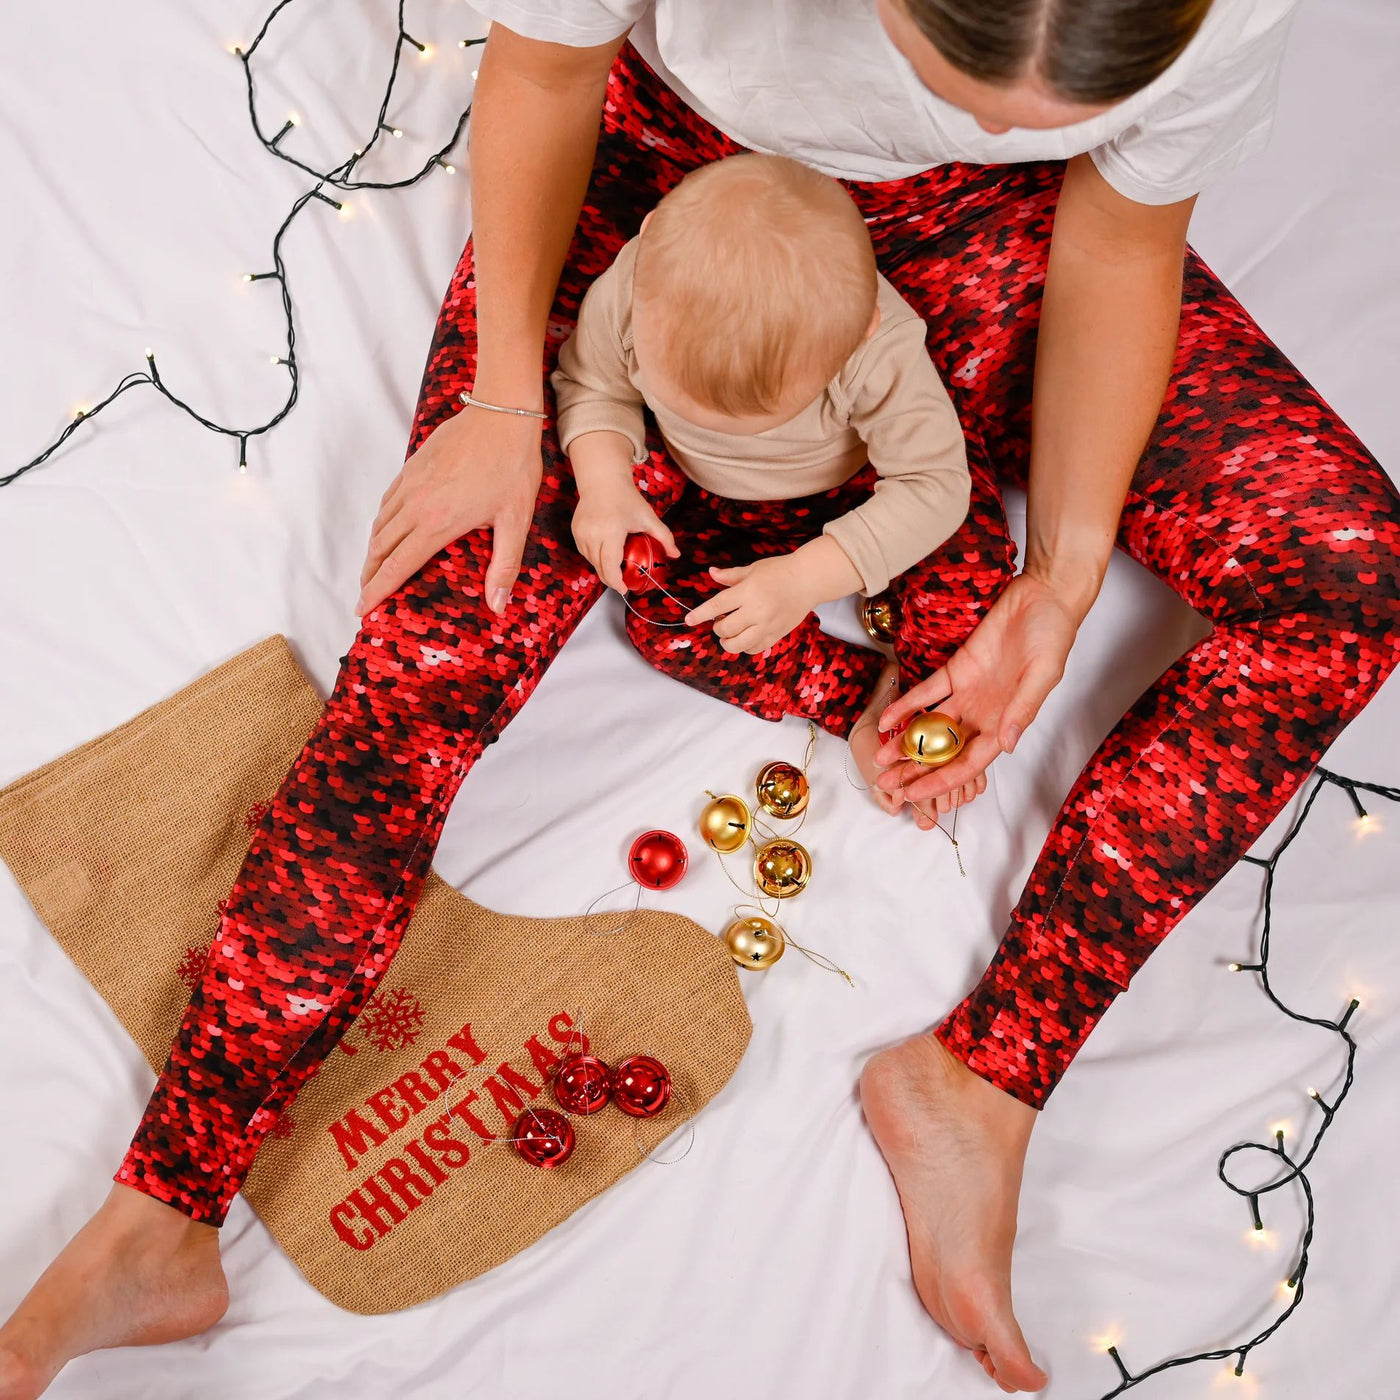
(605, 516)
(762, 603)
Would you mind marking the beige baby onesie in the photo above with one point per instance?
(887, 406)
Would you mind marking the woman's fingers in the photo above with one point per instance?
(379, 531)
(382, 544)
(391, 490)
(891, 750)
(396, 568)
(928, 694)
(1039, 680)
(924, 785)
(508, 532)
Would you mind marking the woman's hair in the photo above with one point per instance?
(754, 270)
(1090, 51)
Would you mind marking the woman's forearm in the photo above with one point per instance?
(1108, 330)
(534, 131)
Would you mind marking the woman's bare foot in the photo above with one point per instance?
(865, 738)
(138, 1273)
(955, 1146)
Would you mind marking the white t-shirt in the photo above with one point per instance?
(820, 80)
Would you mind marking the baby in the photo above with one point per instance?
(790, 384)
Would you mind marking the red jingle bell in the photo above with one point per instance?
(543, 1137)
(641, 1086)
(658, 860)
(643, 562)
(582, 1084)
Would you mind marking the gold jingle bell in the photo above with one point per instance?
(754, 942)
(932, 739)
(878, 619)
(726, 823)
(782, 868)
(782, 789)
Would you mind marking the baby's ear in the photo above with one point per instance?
(646, 221)
(874, 316)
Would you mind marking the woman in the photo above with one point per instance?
(1027, 169)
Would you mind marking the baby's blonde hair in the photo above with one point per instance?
(752, 269)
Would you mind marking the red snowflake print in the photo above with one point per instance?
(255, 814)
(283, 1127)
(392, 1019)
(191, 966)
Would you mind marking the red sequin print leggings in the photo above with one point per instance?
(808, 673)
(1252, 501)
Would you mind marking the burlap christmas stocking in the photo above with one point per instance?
(376, 1180)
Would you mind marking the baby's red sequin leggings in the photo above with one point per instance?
(1252, 501)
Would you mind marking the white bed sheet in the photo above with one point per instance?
(771, 1263)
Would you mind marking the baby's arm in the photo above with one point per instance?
(902, 412)
(762, 602)
(609, 505)
(598, 412)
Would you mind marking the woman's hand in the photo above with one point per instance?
(477, 468)
(609, 511)
(993, 686)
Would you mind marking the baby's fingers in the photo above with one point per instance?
(749, 640)
(731, 574)
(723, 602)
(732, 624)
(655, 527)
(606, 558)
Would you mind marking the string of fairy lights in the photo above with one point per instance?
(339, 179)
(1290, 1166)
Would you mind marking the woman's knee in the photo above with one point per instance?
(1342, 561)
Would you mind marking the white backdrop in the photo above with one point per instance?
(771, 1262)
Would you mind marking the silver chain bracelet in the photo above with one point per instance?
(467, 399)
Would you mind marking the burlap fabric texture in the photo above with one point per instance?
(126, 845)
